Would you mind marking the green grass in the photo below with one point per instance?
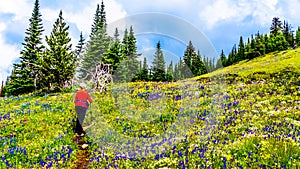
(245, 115)
(271, 63)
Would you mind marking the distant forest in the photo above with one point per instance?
(50, 68)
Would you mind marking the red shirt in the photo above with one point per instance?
(81, 99)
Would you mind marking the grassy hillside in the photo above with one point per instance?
(243, 116)
(271, 63)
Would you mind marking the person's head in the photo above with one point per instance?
(82, 86)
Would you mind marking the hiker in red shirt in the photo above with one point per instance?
(82, 100)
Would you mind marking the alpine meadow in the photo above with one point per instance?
(239, 110)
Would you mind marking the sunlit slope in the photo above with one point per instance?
(275, 62)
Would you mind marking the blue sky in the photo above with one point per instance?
(217, 23)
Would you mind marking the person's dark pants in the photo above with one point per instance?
(80, 111)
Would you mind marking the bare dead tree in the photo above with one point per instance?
(102, 77)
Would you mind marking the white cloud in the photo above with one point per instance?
(21, 13)
(262, 11)
(83, 18)
(292, 10)
(8, 54)
(20, 8)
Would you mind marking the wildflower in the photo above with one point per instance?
(224, 162)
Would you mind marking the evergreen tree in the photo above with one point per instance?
(126, 43)
(288, 33)
(97, 45)
(79, 51)
(232, 56)
(159, 65)
(259, 47)
(24, 79)
(59, 60)
(241, 50)
(189, 54)
(276, 26)
(115, 52)
(129, 66)
(145, 75)
(297, 40)
(198, 67)
(223, 59)
(170, 73)
(176, 72)
(133, 63)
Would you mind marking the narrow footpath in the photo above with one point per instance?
(82, 161)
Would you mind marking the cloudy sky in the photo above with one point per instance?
(210, 24)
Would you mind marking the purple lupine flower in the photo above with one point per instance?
(224, 162)
(179, 153)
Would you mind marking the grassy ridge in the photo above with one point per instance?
(243, 116)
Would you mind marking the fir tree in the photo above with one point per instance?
(184, 71)
(115, 52)
(259, 48)
(223, 59)
(288, 33)
(133, 63)
(297, 40)
(159, 64)
(143, 74)
(198, 67)
(59, 60)
(276, 26)
(241, 50)
(79, 53)
(170, 73)
(24, 79)
(97, 44)
(189, 54)
(176, 72)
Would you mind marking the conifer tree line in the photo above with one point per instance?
(50, 67)
(281, 37)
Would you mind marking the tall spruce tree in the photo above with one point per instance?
(115, 52)
(79, 53)
(145, 74)
(297, 40)
(131, 55)
(159, 64)
(97, 44)
(202, 69)
(24, 79)
(182, 69)
(223, 59)
(189, 53)
(59, 60)
(128, 70)
(241, 50)
(288, 33)
(176, 72)
(276, 26)
(170, 72)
